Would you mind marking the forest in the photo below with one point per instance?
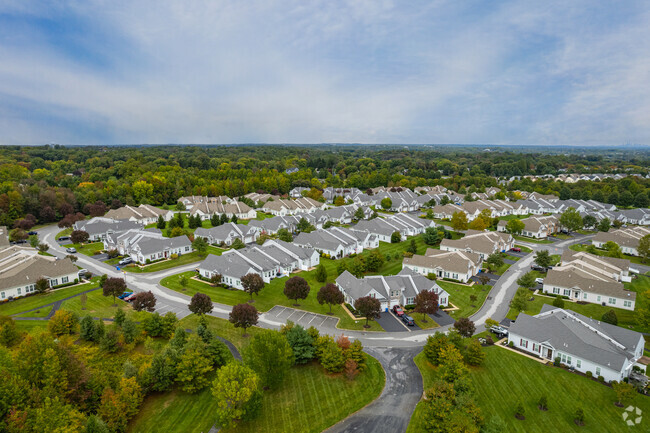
(49, 182)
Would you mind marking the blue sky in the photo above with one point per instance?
(366, 71)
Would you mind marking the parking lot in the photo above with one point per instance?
(392, 323)
(179, 311)
(300, 317)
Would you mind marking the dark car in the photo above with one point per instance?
(538, 268)
(397, 310)
(408, 320)
(516, 249)
(64, 238)
(32, 233)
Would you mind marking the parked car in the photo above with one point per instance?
(516, 249)
(125, 261)
(537, 268)
(71, 250)
(397, 310)
(408, 320)
(499, 331)
(82, 272)
(64, 238)
(124, 295)
(130, 297)
(539, 280)
(32, 233)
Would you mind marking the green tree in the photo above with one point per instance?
(194, 366)
(613, 249)
(357, 267)
(527, 280)
(604, 225)
(386, 203)
(589, 221)
(270, 356)
(396, 237)
(431, 236)
(236, 390)
(459, 221)
(413, 247)
(200, 245)
(520, 301)
(571, 220)
(515, 226)
(494, 261)
(474, 354)
(329, 354)
(374, 260)
(558, 302)
(434, 346)
(42, 285)
(237, 244)
(625, 393)
(321, 273)
(304, 226)
(644, 248)
(214, 220)
(284, 235)
(161, 374)
(543, 258)
(302, 344)
(63, 322)
(359, 214)
(161, 223)
(610, 317)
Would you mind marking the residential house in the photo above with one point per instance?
(206, 210)
(21, 267)
(585, 344)
(143, 214)
(627, 238)
(455, 265)
(100, 227)
(227, 234)
(400, 289)
(538, 227)
(610, 267)
(147, 245)
(291, 207)
(337, 242)
(481, 243)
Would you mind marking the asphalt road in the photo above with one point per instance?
(392, 411)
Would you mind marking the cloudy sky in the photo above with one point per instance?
(363, 71)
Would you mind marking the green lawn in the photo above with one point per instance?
(87, 249)
(506, 378)
(309, 400)
(601, 252)
(626, 318)
(172, 263)
(64, 232)
(24, 304)
(500, 270)
(524, 249)
(513, 217)
(97, 305)
(429, 324)
(30, 325)
(459, 296)
(43, 312)
(532, 240)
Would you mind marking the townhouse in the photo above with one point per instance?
(383, 228)
(610, 267)
(446, 211)
(585, 344)
(403, 200)
(226, 234)
(337, 242)
(205, 210)
(145, 246)
(261, 198)
(400, 289)
(283, 207)
(454, 265)
(272, 260)
(481, 243)
(100, 227)
(143, 214)
(627, 238)
(330, 193)
(21, 267)
(538, 227)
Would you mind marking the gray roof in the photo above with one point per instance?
(226, 264)
(575, 334)
(99, 226)
(149, 245)
(23, 266)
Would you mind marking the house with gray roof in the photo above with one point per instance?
(272, 260)
(147, 245)
(578, 341)
(538, 227)
(227, 233)
(481, 243)
(400, 289)
(454, 265)
(21, 267)
(626, 238)
(144, 214)
(337, 242)
(100, 227)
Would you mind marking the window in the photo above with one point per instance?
(564, 358)
(19, 290)
(598, 298)
(585, 296)
(597, 371)
(578, 363)
(567, 292)
(64, 280)
(627, 303)
(612, 301)
(568, 360)
(556, 290)
(2, 295)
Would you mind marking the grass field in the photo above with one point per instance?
(459, 296)
(30, 325)
(524, 249)
(513, 217)
(43, 312)
(24, 304)
(64, 232)
(531, 240)
(309, 400)
(87, 249)
(600, 252)
(506, 378)
(97, 305)
(626, 318)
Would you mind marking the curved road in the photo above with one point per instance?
(392, 411)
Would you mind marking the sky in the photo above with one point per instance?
(365, 71)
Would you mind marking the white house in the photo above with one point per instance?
(628, 239)
(144, 214)
(227, 234)
(481, 243)
(147, 245)
(585, 344)
(455, 265)
(100, 227)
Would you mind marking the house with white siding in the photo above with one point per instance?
(145, 246)
(585, 344)
(538, 227)
(481, 243)
(453, 265)
(626, 238)
(143, 214)
(100, 227)
(227, 234)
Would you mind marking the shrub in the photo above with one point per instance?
(489, 341)
(174, 256)
(542, 404)
(520, 411)
(556, 361)
(558, 302)
(601, 379)
(589, 374)
(147, 262)
(610, 317)
(511, 344)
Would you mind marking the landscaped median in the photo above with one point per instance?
(506, 379)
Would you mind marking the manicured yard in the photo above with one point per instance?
(500, 270)
(308, 400)
(600, 252)
(626, 318)
(97, 305)
(43, 312)
(87, 249)
(417, 318)
(172, 263)
(30, 325)
(24, 304)
(506, 378)
(459, 296)
(513, 217)
(64, 232)
(531, 240)
(524, 249)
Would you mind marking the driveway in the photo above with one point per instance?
(391, 323)
(517, 254)
(493, 278)
(442, 318)
(392, 411)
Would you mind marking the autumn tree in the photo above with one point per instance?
(625, 393)
(252, 284)
(118, 407)
(200, 304)
(515, 226)
(194, 366)
(113, 287)
(296, 288)
(236, 390)
(459, 221)
(244, 316)
(144, 301)
(79, 237)
(368, 307)
(465, 327)
(426, 302)
(330, 294)
(63, 322)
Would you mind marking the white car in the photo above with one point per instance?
(539, 280)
